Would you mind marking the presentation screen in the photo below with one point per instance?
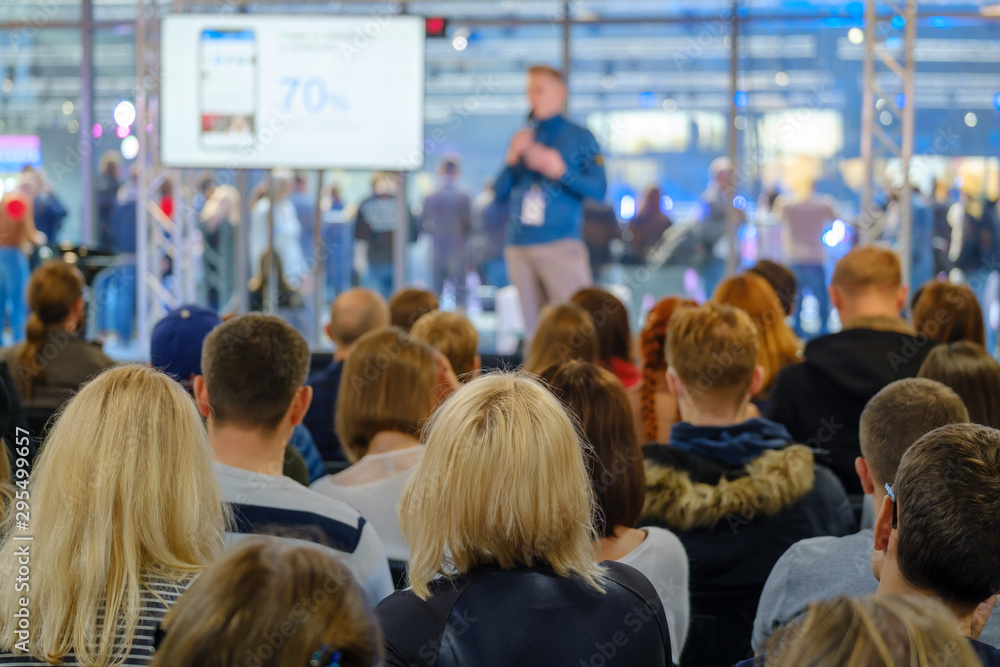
(308, 91)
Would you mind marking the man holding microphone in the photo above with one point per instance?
(552, 165)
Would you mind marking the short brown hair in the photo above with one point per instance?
(291, 599)
(387, 385)
(867, 267)
(614, 335)
(781, 279)
(548, 70)
(408, 305)
(253, 365)
(565, 331)
(603, 419)
(454, 336)
(713, 349)
(899, 415)
(949, 536)
(973, 374)
(947, 313)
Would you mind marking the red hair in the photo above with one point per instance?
(653, 352)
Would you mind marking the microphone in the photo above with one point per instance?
(531, 122)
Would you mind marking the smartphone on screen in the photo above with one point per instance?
(228, 88)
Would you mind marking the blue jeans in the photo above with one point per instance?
(813, 277)
(379, 278)
(13, 291)
(114, 289)
(495, 272)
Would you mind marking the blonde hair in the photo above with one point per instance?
(565, 331)
(867, 267)
(873, 631)
(503, 481)
(453, 335)
(122, 489)
(387, 385)
(779, 346)
(713, 349)
(298, 592)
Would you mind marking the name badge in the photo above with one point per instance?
(533, 207)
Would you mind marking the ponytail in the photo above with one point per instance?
(653, 353)
(28, 368)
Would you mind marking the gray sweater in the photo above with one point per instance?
(821, 568)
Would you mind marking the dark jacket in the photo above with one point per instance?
(321, 417)
(66, 362)
(820, 399)
(491, 617)
(735, 520)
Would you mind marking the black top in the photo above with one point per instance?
(820, 400)
(491, 617)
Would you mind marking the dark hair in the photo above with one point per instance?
(973, 374)
(407, 305)
(781, 279)
(949, 536)
(900, 414)
(53, 289)
(614, 336)
(948, 313)
(253, 365)
(604, 420)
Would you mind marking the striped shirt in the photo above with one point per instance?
(140, 651)
(274, 505)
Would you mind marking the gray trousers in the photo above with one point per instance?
(546, 272)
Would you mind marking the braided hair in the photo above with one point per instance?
(653, 352)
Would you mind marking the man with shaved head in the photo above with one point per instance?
(353, 313)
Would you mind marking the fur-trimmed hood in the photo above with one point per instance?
(768, 484)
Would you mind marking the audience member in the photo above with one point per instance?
(616, 350)
(408, 305)
(353, 313)
(782, 281)
(272, 603)
(820, 400)
(391, 385)
(648, 226)
(125, 512)
(565, 331)
(453, 335)
(252, 395)
(597, 401)
(655, 409)
(17, 235)
(825, 567)
(870, 631)
(936, 533)
(502, 507)
(948, 313)
(54, 360)
(737, 491)
(974, 375)
(175, 348)
(779, 346)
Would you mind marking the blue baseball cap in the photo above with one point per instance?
(177, 339)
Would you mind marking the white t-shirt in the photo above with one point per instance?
(276, 505)
(662, 558)
(373, 486)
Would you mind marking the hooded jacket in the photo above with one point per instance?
(820, 399)
(736, 519)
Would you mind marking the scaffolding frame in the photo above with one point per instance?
(889, 71)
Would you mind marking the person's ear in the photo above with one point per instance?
(836, 297)
(300, 404)
(326, 328)
(865, 475)
(674, 385)
(445, 381)
(477, 366)
(757, 381)
(201, 396)
(901, 295)
(883, 525)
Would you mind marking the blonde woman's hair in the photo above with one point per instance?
(778, 344)
(270, 588)
(123, 489)
(387, 385)
(873, 631)
(565, 332)
(502, 482)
